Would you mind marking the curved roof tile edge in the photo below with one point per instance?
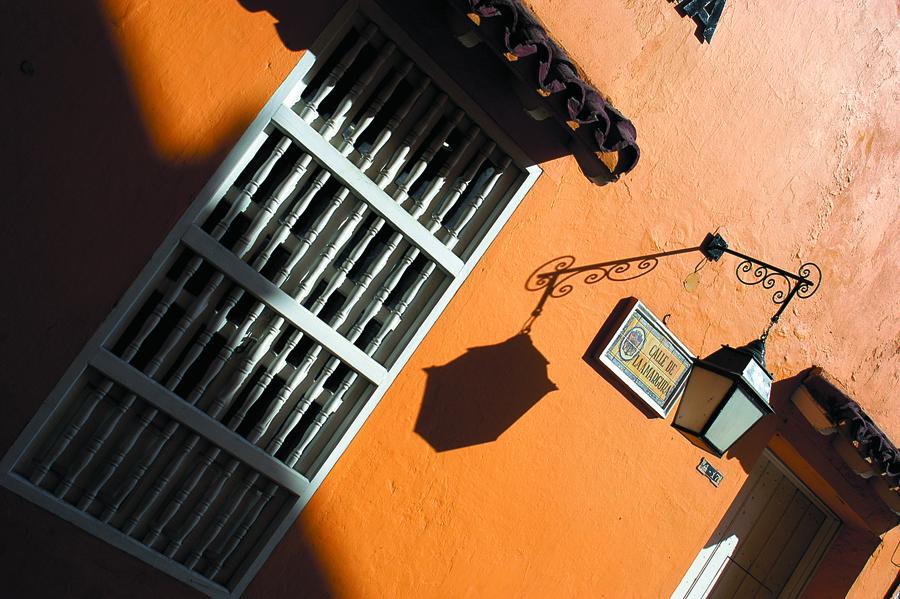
(556, 73)
(870, 441)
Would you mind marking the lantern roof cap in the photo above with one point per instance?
(757, 349)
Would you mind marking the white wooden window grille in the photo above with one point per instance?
(202, 416)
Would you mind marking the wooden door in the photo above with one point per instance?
(769, 544)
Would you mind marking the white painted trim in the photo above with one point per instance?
(340, 441)
(112, 536)
(94, 354)
(265, 291)
(366, 190)
(700, 577)
(199, 421)
(215, 188)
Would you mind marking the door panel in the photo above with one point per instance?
(777, 532)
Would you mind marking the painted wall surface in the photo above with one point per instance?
(783, 133)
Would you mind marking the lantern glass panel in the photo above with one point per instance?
(738, 414)
(758, 378)
(704, 392)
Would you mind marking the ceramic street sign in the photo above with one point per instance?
(648, 359)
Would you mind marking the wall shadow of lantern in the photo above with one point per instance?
(479, 395)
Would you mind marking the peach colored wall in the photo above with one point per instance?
(783, 132)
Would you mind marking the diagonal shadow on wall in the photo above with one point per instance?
(88, 200)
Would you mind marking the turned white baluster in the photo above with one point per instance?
(319, 420)
(368, 156)
(234, 539)
(354, 130)
(178, 500)
(201, 507)
(159, 483)
(382, 294)
(471, 205)
(284, 394)
(401, 154)
(343, 270)
(310, 111)
(266, 377)
(271, 206)
(90, 450)
(427, 156)
(137, 473)
(301, 407)
(248, 364)
(424, 199)
(365, 278)
(242, 201)
(222, 517)
(194, 310)
(287, 222)
(309, 237)
(74, 426)
(334, 122)
(462, 183)
(343, 235)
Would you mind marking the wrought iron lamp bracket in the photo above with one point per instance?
(750, 271)
(557, 277)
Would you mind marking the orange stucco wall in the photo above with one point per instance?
(783, 133)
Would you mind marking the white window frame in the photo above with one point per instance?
(187, 233)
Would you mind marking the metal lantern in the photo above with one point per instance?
(728, 392)
(725, 395)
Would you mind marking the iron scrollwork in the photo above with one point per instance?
(557, 281)
(750, 271)
(557, 277)
(804, 284)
